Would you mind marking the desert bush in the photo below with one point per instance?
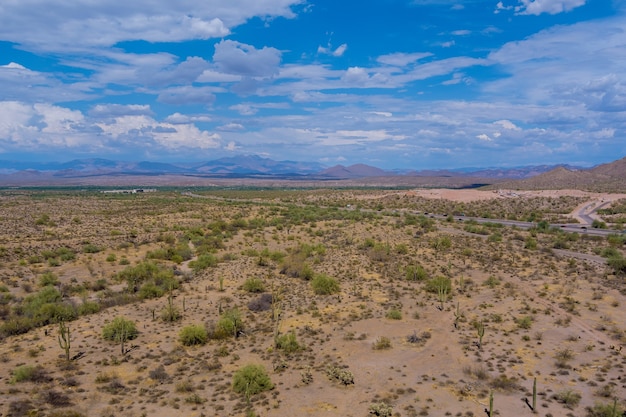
(251, 379)
(254, 285)
(322, 284)
(394, 314)
(65, 413)
(91, 248)
(88, 307)
(194, 334)
(504, 383)
(55, 398)
(381, 409)
(48, 278)
(120, 330)
(228, 325)
(148, 273)
(568, 398)
(159, 374)
(382, 343)
(434, 285)
(563, 357)
(415, 273)
(613, 409)
(262, 303)
(204, 261)
(288, 343)
(29, 373)
(525, 322)
(618, 263)
(340, 375)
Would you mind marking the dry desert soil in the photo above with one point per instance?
(347, 302)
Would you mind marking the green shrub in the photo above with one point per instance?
(120, 330)
(525, 322)
(91, 248)
(228, 325)
(394, 314)
(29, 373)
(613, 409)
(322, 284)
(254, 285)
(251, 379)
(203, 262)
(194, 334)
(416, 273)
(288, 343)
(433, 285)
(48, 278)
(568, 397)
(148, 273)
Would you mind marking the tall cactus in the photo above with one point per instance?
(64, 339)
(535, 395)
(491, 404)
(480, 328)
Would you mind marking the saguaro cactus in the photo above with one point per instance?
(535, 395)
(480, 328)
(64, 339)
(491, 404)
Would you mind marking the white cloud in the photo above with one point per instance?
(114, 110)
(484, 137)
(580, 64)
(400, 59)
(339, 51)
(187, 95)
(506, 124)
(500, 7)
(105, 23)
(244, 109)
(237, 58)
(230, 127)
(537, 7)
(178, 118)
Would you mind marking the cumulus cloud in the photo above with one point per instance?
(45, 127)
(580, 63)
(85, 23)
(231, 127)
(178, 118)
(537, 7)
(400, 59)
(337, 52)
(114, 110)
(187, 95)
(506, 124)
(237, 58)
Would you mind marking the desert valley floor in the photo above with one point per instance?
(312, 302)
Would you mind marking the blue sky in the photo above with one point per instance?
(391, 83)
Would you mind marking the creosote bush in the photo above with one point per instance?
(251, 379)
(254, 285)
(120, 330)
(322, 284)
(194, 334)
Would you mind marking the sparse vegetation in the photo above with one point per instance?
(218, 282)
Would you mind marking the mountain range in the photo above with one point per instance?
(604, 176)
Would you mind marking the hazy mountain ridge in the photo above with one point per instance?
(601, 177)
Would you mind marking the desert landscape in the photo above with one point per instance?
(258, 301)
